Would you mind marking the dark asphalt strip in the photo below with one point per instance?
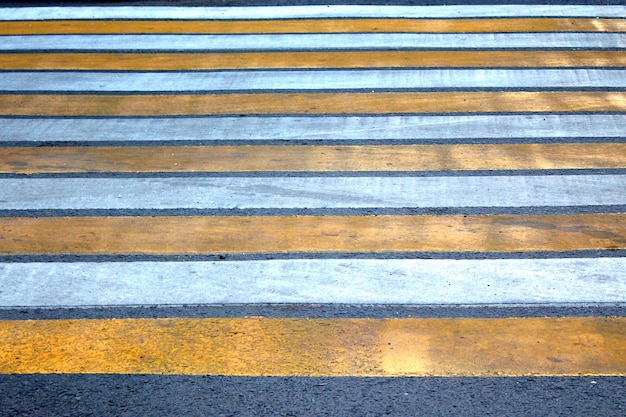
(302, 142)
(336, 310)
(219, 257)
(125, 395)
(317, 115)
(140, 50)
(272, 212)
(234, 3)
(305, 91)
(326, 174)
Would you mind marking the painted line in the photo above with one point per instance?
(363, 281)
(179, 235)
(360, 158)
(310, 11)
(307, 103)
(309, 60)
(241, 81)
(421, 128)
(316, 347)
(310, 103)
(310, 41)
(312, 192)
(62, 27)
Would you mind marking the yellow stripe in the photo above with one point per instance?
(309, 60)
(34, 160)
(317, 347)
(309, 103)
(61, 27)
(311, 234)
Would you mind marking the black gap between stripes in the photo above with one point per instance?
(278, 212)
(227, 257)
(331, 174)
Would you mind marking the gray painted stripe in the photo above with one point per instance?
(368, 281)
(269, 12)
(310, 80)
(311, 41)
(479, 127)
(312, 192)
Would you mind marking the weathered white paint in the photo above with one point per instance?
(383, 41)
(310, 80)
(423, 128)
(312, 192)
(321, 11)
(368, 281)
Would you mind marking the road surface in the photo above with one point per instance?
(313, 210)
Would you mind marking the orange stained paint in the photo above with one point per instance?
(35, 160)
(309, 60)
(317, 347)
(391, 25)
(310, 103)
(179, 235)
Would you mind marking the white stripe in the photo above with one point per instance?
(311, 41)
(367, 281)
(283, 12)
(313, 128)
(312, 192)
(309, 80)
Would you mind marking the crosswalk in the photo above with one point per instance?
(312, 192)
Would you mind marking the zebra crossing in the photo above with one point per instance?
(312, 192)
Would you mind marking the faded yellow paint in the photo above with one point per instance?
(33, 160)
(508, 25)
(310, 103)
(316, 347)
(312, 234)
(505, 347)
(309, 60)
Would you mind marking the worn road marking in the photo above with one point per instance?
(311, 80)
(417, 193)
(313, 234)
(35, 160)
(317, 347)
(311, 42)
(425, 128)
(347, 281)
(311, 11)
(309, 60)
(310, 103)
(313, 26)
